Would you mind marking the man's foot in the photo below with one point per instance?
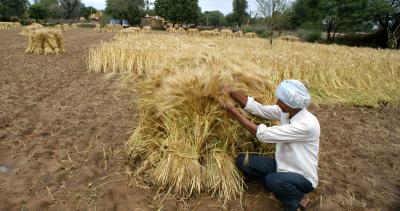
(304, 203)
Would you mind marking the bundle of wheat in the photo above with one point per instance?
(250, 35)
(62, 27)
(193, 32)
(45, 41)
(97, 28)
(238, 34)
(29, 29)
(226, 33)
(171, 30)
(127, 32)
(112, 28)
(181, 30)
(146, 29)
(10, 25)
(74, 26)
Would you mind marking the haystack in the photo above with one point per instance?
(171, 30)
(74, 26)
(29, 29)
(181, 30)
(193, 32)
(146, 29)
(97, 28)
(125, 33)
(238, 34)
(226, 33)
(112, 28)
(10, 25)
(45, 41)
(62, 27)
(250, 35)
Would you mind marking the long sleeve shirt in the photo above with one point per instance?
(296, 139)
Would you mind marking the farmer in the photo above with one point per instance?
(293, 172)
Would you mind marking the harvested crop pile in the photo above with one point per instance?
(45, 41)
(128, 32)
(74, 26)
(29, 29)
(184, 143)
(10, 25)
(112, 28)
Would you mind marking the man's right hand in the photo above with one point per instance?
(226, 90)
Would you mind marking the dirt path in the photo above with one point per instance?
(63, 129)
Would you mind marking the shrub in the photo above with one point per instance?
(309, 35)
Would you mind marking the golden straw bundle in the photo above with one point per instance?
(146, 29)
(10, 25)
(112, 28)
(45, 41)
(127, 32)
(29, 29)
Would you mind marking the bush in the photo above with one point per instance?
(309, 35)
(260, 29)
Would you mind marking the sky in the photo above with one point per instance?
(225, 6)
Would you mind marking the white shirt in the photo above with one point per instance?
(296, 139)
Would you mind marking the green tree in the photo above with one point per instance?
(333, 15)
(53, 8)
(240, 15)
(87, 11)
(38, 12)
(70, 8)
(178, 11)
(229, 20)
(10, 9)
(213, 18)
(131, 10)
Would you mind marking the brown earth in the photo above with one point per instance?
(63, 129)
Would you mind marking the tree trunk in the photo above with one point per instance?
(328, 31)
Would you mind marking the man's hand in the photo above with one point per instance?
(225, 104)
(226, 90)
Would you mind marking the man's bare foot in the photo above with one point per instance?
(304, 202)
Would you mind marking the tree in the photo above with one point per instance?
(229, 20)
(213, 18)
(178, 11)
(334, 15)
(386, 14)
(87, 11)
(131, 10)
(274, 12)
(240, 14)
(53, 8)
(10, 9)
(70, 8)
(38, 12)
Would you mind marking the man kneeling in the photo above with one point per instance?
(293, 172)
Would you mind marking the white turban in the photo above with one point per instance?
(293, 93)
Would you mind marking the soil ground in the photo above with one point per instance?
(63, 129)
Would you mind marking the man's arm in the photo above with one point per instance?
(250, 105)
(235, 95)
(246, 123)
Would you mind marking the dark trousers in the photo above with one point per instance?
(289, 188)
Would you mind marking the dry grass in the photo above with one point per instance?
(184, 142)
(45, 41)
